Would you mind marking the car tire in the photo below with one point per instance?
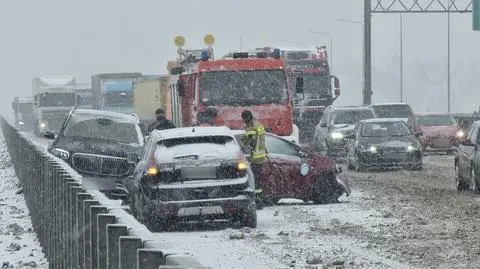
(326, 190)
(461, 185)
(249, 219)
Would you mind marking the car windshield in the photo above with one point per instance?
(57, 99)
(393, 111)
(243, 88)
(436, 120)
(351, 116)
(198, 148)
(378, 129)
(104, 128)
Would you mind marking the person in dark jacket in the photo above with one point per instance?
(161, 122)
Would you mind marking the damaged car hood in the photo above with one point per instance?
(96, 146)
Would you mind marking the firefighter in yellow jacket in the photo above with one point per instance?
(254, 140)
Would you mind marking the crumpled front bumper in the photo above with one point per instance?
(111, 186)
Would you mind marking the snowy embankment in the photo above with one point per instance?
(19, 247)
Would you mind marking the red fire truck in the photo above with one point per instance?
(312, 65)
(213, 91)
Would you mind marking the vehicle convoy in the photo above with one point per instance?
(293, 172)
(150, 92)
(336, 123)
(101, 146)
(114, 91)
(440, 132)
(23, 112)
(216, 91)
(384, 143)
(467, 160)
(84, 95)
(192, 174)
(311, 64)
(396, 111)
(53, 97)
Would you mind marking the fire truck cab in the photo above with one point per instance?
(205, 90)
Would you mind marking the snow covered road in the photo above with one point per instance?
(394, 219)
(19, 247)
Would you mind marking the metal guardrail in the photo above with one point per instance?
(82, 229)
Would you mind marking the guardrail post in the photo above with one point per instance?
(128, 251)
(114, 231)
(94, 227)
(62, 218)
(149, 258)
(103, 220)
(74, 190)
(55, 203)
(87, 228)
(67, 222)
(80, 228)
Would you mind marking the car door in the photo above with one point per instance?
(281, 176)
(465, 153)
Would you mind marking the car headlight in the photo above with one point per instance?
(336, 135)
(410, 148)
(372, 149)
(60, 153)
(43, 125)
(20, 123)
(460, 134)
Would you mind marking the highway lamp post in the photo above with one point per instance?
(331, 45)
(363, 44)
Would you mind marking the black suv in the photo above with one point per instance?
(336, 123)
(99, 145)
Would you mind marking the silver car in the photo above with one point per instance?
(192, 174)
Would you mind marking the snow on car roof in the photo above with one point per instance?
(433, 114)
(374, 120)
(191, 132)
(342, 108)
(100, 113)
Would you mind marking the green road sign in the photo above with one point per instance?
(476, 15)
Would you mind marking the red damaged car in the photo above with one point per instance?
(292, 172)
(440, 132)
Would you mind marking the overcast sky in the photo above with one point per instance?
(81, 38)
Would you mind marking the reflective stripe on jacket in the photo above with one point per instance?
(255, 140)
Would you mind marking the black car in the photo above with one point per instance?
(336, 123)
(99, 145)
(192, 175)
(384, 143)
(467, 160)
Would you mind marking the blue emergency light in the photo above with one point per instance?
(276, 53)
(205, 55)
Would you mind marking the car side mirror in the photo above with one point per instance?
(419, 134)
(299, 85)
(133, 158)
(49, 135)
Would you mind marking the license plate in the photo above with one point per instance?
(198, 211)
(392, 156)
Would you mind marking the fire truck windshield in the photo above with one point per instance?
(243, 88)
(57, 99)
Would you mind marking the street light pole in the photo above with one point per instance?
(448, 58)
(401, 58)
(331, 45)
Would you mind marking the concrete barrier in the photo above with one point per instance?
(78, 228)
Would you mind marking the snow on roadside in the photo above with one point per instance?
(19, 247)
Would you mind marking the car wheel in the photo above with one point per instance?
(473, 181)
(461, 186)
(326, 190)
(249, 219)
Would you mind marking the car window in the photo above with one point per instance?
(103, 128)
(470, 132)
(351, 116)
(146, 148)
(278, 146)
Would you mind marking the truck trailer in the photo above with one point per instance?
(23, 112)
(114, 91)
(150, 92)
(53, 98)
(84, 95)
